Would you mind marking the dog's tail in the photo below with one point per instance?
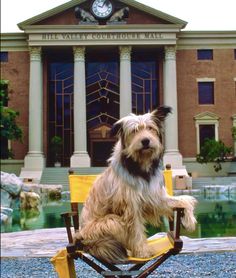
(106, 249)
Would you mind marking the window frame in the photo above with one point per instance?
(4, 59)
(202, 54)
(206, 80)
(201, 142)
(206, 118)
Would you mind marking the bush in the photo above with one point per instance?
(213, 151)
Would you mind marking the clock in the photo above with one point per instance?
(102, 8)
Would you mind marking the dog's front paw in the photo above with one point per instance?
(77, 238)
(186, 201)
(189, 221)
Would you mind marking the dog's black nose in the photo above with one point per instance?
(145, 142)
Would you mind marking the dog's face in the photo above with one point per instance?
(141, 136)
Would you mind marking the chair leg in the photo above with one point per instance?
(71, 267)
(151, 268)
(64, 264)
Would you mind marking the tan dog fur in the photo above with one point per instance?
(130, 193)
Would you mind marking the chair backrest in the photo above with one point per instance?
(168, 181)
(79, 187)
(81, 184)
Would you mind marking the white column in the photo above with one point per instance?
(35, 158)
(125, 81)
(80, 157)
(172, 155)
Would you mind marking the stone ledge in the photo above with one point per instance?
(46, 242)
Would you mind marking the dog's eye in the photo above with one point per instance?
(151, 128)
(133, 131)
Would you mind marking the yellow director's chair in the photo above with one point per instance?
(63, 261)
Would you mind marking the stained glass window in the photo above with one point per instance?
(144, 86)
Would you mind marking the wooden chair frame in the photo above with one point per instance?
(113, 270)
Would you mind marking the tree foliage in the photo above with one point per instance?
(213, 151)
(9, 128)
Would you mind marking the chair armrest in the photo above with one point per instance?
(174, 233)
(180, 213)
(68, 214)
(67, 219)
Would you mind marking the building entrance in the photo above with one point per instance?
(60, 112)
(102, 100)
(102, 96)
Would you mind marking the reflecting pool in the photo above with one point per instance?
(216, 216)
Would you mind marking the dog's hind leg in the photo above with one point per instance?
(104, 238)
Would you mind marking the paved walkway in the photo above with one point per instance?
(46, 242)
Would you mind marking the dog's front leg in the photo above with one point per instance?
(186, 202)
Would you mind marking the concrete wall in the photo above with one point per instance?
(205, 170)
(12, 166)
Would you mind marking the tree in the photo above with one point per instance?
(213, 151)
(9, 128)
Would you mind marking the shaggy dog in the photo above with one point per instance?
(130, 193)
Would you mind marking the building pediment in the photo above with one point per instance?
(206, 116)
(139, 14)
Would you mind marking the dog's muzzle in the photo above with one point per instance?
(145, 143)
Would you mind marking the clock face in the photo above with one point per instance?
(102, 8)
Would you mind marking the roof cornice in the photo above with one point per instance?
(102, 28)
(14, 42)
(207, 33)
(206, 39)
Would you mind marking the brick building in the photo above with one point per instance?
(76, 69)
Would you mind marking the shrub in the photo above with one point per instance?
(213, 151)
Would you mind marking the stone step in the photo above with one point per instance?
(232, 170)
(59, 175)
(202, 181)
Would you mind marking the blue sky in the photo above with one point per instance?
(200, 14)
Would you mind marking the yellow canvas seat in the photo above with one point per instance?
(164, 244)
(63, 261)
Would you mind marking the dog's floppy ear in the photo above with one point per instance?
(116, 129)
(161, 112)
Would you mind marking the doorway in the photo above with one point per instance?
(101, 151)
(102, 103)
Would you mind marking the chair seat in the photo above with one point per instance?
(163, 244)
